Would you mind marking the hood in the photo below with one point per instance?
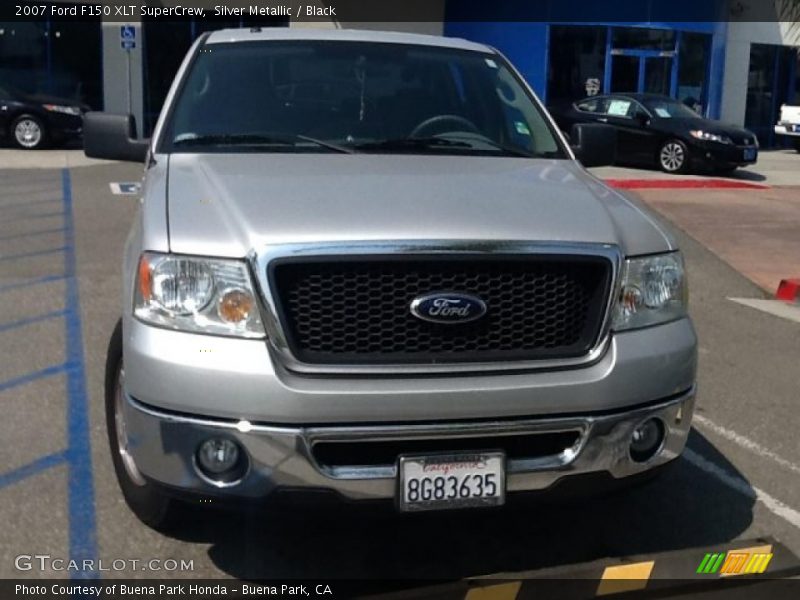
(229, 204)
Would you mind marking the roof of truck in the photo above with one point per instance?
(341, 35)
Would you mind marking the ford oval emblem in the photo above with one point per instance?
(449, 308)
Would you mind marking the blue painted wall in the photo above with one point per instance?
(520, 29)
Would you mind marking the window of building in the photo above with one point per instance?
(693, 56)
(77, 68)
(57, 58)
(637, 38)
(770, 82)
(577, 63)
(23, 55)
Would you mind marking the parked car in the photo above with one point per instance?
(656, 130)
(789, 124)
(32, 121)
(404, 289)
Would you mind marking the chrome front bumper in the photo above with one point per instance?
(163, 445)
(784, 130)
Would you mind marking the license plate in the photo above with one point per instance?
(749, 153)
(452, 481)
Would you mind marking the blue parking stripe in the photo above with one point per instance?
(25, 203)
(28, 217)
(30, 377)
(81, 507)
(30, 320)
(37, 466)
(15, 236)
(29, 282)
(32, 254)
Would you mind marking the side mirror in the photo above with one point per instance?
(642, 119)
(113, 137)
(594, 144)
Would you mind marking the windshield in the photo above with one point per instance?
(670, 109)
(290, 96)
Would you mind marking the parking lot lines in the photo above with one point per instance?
(15, 236)
(30, 320)
(37, 466)
(775, 506)
(82, 526)
(77, 455)
(745, 442)
(30, 377)
(30, 282)
(32, 254)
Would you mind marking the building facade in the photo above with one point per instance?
(733, 70)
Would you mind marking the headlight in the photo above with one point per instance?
(67, 110)
(710, 137)
(197, 294)
(653, 291)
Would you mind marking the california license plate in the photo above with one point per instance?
(452, 481)
(749, 153)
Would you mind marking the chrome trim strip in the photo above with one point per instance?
(261, 259)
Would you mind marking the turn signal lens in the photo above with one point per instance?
(235, 306)
(145, 279)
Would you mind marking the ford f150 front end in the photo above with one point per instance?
(369, 264)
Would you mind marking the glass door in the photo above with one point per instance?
(657, 75)
(624, 74)
(635, 71)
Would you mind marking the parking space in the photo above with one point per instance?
(61, 235)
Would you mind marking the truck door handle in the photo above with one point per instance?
(602, 119)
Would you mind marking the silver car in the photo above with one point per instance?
(369, 265)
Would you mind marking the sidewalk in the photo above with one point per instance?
(56, 158)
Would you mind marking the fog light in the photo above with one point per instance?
(217, 457)
(646, 440)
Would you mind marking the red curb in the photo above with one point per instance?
(672, 184)
(788, 290)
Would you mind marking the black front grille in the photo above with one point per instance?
(356, 310)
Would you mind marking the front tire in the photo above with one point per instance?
(673, 157)
(28, 132)
(148, 504)
(797, 144)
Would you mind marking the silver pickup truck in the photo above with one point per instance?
(368, 265)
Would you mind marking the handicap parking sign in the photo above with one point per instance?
(127, 37)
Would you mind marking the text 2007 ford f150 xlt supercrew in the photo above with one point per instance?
(369, 264)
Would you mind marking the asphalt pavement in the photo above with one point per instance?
(61, 236)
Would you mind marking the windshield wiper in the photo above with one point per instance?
(447, 141)
(256, 139)
(513, 150)
(421, 143)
